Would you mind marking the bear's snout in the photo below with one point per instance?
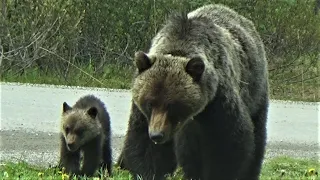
(159, 127)
(156, 136)
(71, 143)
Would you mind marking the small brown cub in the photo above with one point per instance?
(85, 128)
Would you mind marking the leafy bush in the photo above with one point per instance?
(50, 34)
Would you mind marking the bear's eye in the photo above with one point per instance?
(79, 131)
(178, 110)
(150, 104)
(147, 104)
(67, 130)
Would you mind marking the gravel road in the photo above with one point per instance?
(30, 122)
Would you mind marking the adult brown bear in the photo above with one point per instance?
(200, 99)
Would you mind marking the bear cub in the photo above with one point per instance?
(85, 130)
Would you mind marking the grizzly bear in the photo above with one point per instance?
(200, 99)
(85, 128)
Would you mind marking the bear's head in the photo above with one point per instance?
(170, 90)
(79, 126)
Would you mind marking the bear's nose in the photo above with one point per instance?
(156, 137)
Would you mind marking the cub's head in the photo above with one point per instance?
(169, 90)
(79, 126)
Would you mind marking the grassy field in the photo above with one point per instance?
(273, 169)
(113, 76)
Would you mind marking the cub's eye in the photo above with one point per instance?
(150, 104)
(67, 130)
(79, 132)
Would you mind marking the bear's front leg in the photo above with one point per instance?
(188, 149)
(69, 160)
(141, 156)
(92, 156)
(228, 137)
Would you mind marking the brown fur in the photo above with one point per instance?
(85, 127)
(172, 93)
(200, 94)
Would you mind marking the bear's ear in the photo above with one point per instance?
(92, 112)
(195, 68)
(65, 107)
(142, 61)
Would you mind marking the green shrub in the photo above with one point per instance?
(50, 34)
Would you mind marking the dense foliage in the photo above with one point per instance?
(46, 34)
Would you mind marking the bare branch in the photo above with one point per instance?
(73, 65)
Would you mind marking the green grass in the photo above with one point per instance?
(117, 77)
(300, 81)
(273, 169)
(290, 168)
(111, 76)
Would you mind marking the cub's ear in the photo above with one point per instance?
(195, 68)
(65, 107)
(92, 112)
(142, 61)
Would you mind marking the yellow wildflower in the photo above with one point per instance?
(40, 174)
(312, 171)
(5, 174)
(65, 176)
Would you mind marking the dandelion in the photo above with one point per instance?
(65, 176)
(40, 174)
(5, 174)
(311, 172)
